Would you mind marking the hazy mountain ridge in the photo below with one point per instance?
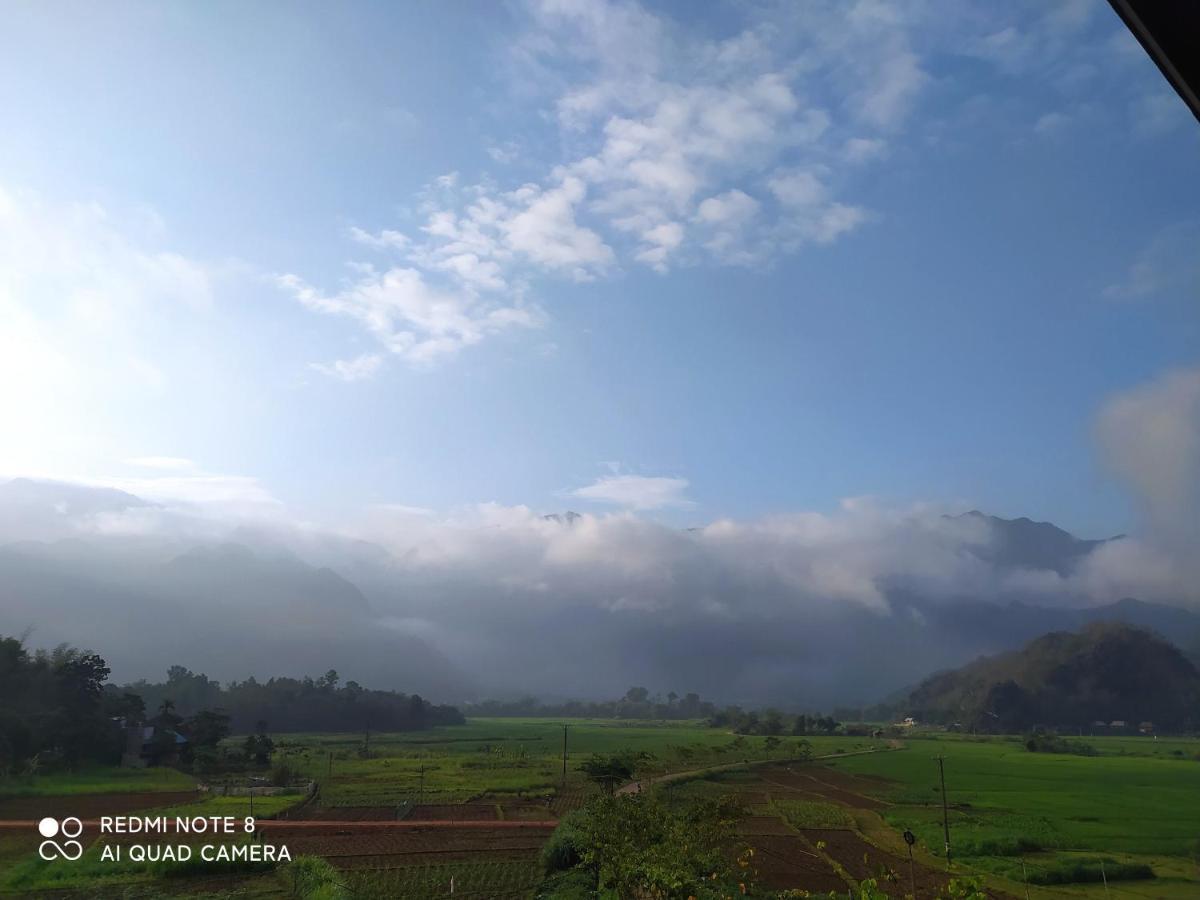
(423, 614)
(1027, 544)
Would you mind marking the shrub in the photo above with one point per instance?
(282, 774)
(314, 879)
(1083, 871)
(1052, 743)
(576, 884)
(565, 848)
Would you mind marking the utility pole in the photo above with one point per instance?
(564, 772)
(941, 761)
(910, 839)
(329, 768)
(421, 794)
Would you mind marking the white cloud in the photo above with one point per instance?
(168, 463)
(356, 369)
(544, 229)
(1150, 438)
(811, 214)
(228, 494)
(505, 152)
(637, 492)
(1168, 265)
(410, 317)
(1050, 123)
(385, 239)
(861, 150)
(1158, 112)
(798, 188)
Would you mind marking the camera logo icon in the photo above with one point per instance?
(69, 828)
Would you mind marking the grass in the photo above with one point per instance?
(812, 814)
(98, 780)
(509, 756)
(1132, 804)
(515, 878)
(1046, 817)
(91, 871)
(264, 807)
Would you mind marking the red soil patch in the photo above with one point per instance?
(827, 783)
(787, 862)
(453, 812)
(864, 860)
(311, 813)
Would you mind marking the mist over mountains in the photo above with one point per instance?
(803, 611)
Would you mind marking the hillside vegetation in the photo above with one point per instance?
(1107, 672)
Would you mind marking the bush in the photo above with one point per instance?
(282, 774)
(565, 848)
(576, 884)
(997, 846)
(1085, 871)
(1052, 743)
(314, 879)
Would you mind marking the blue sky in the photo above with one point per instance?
(690, 261)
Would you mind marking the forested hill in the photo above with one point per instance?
(1105, 672)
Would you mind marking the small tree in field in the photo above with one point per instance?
(609, 770)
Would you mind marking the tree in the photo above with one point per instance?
(609, 770)
(637, 695)
(166, 718)
(126, 706)
(207, 728)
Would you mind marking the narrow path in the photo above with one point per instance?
(635, 787)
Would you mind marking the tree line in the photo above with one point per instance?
(637, 703)
(58, 709)
(324, 703)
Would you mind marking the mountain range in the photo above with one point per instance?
(113, 572)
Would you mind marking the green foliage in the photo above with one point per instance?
(291, 704)
(574, 884)
(566, 846)
(1041, 742)
(610, 770)
(965, 888)
(1107, 672)
(636, 704)
(52, 710)
(90, 870)
(640, 848)
(312, 878)
(1084, 871)
(813, 814)
(207, 728)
